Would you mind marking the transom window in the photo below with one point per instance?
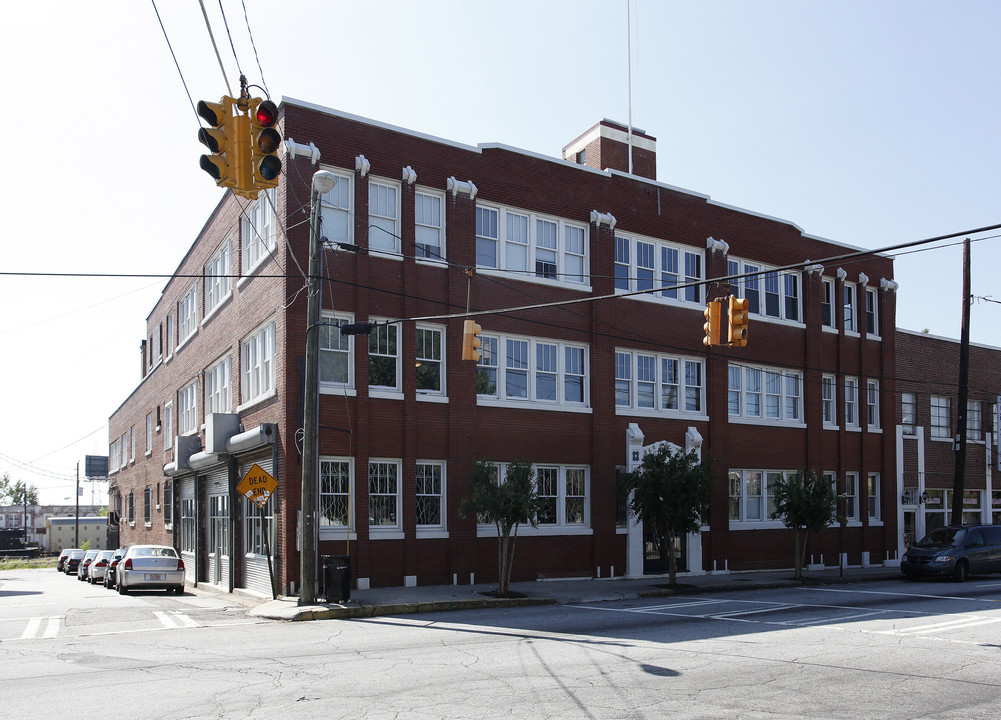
(533, 245)
(258, 234)
(384, 216)
(645, 263)
(218, 280)
(187, 314)
(768, 292)
(257, 358)
(532, 369)
(764, 393)
(658, 383)
(429, 225)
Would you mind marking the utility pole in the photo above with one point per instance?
(323, 182)
(76, 543)
(959, 476)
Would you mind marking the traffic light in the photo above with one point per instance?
(738, 322)
(471, 341)
(264, 143)
(224, 162)
(712, 313)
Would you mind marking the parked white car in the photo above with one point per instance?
(150, 567)
(97, 569)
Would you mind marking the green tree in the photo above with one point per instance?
(506, 504)
(12, 493)
(671, 495)
(806, 503)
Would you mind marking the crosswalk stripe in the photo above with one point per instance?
(165, 620)
(52, 629)
(186, 620)
(32, 629)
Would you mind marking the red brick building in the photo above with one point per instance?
(927, 431)
(578, 389)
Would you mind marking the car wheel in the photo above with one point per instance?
(962, 571)
(122, 590)
(179, 590)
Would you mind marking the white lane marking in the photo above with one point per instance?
(993, 601)
(672, 606)
(165, 620)
(187, 621)
(32, 628)
(944, 626)
(752, 611)
(52, 629)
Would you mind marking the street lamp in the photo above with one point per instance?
(323, 182)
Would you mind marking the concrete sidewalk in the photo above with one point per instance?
(439, 598)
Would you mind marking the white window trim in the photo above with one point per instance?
(909, 429)
(440, 530)
(948, 437)
(248, 401)
(168, 426)
(192, 292)
(395, 253)
(833, 325)
(657, 411)
(855, 426)
(500, 399)
(187, 405)
(251, 231)
(348, 178)
(766, 522)
(740, 288)
(525, 529)
(852, 289)
(529, 274)
(332, 386)
(149, 434)
(210, 371)
(877, 519)
(659, 270)
(339, 533)
(744, 419)
(442, 392)
(222, 277)
(387, 532)
(442, 250)
(875, 312)
(834, 401)
(877, 426)
(388, 391)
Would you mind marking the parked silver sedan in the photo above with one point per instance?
(99, 566)
(150, 567)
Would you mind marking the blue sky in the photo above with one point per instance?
(866, 123)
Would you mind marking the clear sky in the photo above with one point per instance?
(868, 123)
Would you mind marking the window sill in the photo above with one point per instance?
(832, 427)
(335, 534)
(386, 394)
(257, 400)
(427, 397)
(877, 338)
(691, 415)
(185, 341)
(851, 333)
(541, 531)
(247, 274)
(767, 423)
(393, 254)
(342, 390)
(217, 309)
(531, 277)
(432, 534)
(829, 329)
(874, 430)
(374, 534)
(443, 263)
(941, 439)
(757, 525)
(530, 405)
(853, 428)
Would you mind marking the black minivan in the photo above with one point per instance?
(954, 550)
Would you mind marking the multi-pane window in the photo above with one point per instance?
(752, 494)
(218, 381)
(974, 421)
(770, 394)
(188, 525)
(645, 263)
(429, 225)
(872, 494)
(132, 444)
(171, 334)
(908, 412)
(187, 408)
(384, 358)
(828, 385)
(187, 314)
(383, 216)
(149, 433)
(258, 233)
(430, 343)
(827, 316)
(257, 358)
(335, 494)
(848, 302)
(384, 494)
(132, 507)
(660, 383)
(218, 280)
(872, 403)
(941, 417)
(430, 495)
(336, 361)
(563, 493)
(768, 292)
(336, 210)
(518, 241)
(851, 496)
(125, 449)
(851, 402)
(871, 312)
(114, 455)
(531, 369)
(168, 502)
(254, 527)
(148, 505)
(168, 426)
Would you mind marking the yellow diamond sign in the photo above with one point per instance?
(257, 486)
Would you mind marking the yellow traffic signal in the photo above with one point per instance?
(471, 341)
(738, 321)
(223, 163)
(712, 313)
(265, 141)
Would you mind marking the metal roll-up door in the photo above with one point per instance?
(216, 519)
(186, 504)
(256, 576)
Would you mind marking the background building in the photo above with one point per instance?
(61, 532)
(420, 229)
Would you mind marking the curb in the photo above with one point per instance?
(339, 612)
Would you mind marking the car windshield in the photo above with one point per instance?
(944, 536)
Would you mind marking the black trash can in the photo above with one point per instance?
(337, 578)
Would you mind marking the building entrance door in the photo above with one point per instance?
(656, 549)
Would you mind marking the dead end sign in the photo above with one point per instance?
(257, 486)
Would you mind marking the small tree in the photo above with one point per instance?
(13, 493)
(506, 504)
(806, 503)
(671, 495)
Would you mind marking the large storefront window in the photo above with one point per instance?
(938, 508)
